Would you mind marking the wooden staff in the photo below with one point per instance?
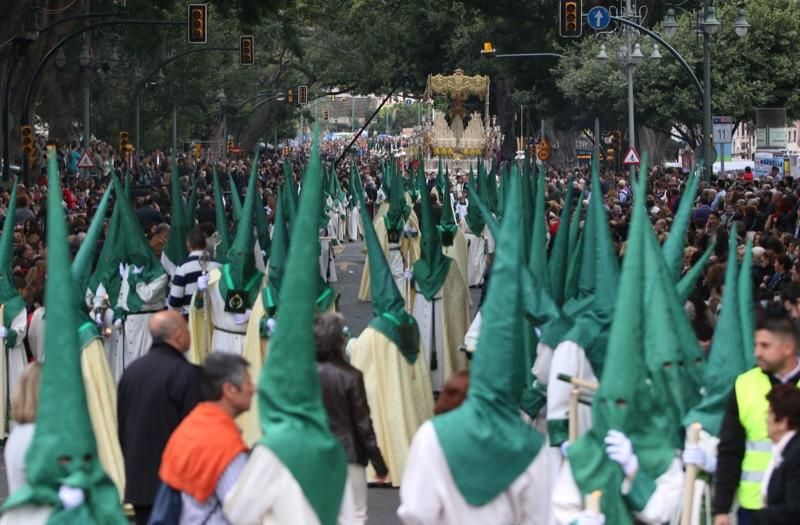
(592, 501)
(692, 436)
(578, 382)
(574, 395)
(203, 261)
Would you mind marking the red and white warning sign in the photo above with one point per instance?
(86, 161)
(632, 158)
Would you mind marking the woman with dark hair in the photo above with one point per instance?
(781, 484)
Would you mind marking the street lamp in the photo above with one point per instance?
(655, 56)
(61, 58)
(710, 23)
(602, 55)
(637, 56)
(670, 23)
(740, 25)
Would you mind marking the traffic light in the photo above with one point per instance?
(198, 151)
(123, 141)
(302, 95)
(27, 142)
(290, 96)
(570, 16)
(230, 147)
(326, 115)
(198, 23)
(247, 54)
(616, 140)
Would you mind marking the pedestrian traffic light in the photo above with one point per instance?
(302, 95)
(123, 141)
(198, 23)
(247, 55)
(290, 96)
(570, 16)
(230, 147)
(27, 141)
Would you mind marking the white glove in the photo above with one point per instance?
(3, 332)
(588, 517)
(620, 449)
(408, 274)
(272, 324)
(202, 282)
(263, 254)
(70, 497)
(694, 455)
(137, 269)
(117, 323)
(565, 448)
(241, 319)
(123, 271)
(98, 318)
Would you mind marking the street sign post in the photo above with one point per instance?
(723, 134)
(631, 158)
(86, 161)
(598, 18)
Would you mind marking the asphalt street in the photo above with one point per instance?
(382, 502)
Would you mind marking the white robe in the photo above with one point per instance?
(474, 333)
(394, 259)
(226, 335)
(17, 360)
(429, 495)
(136, 339)
(327, 260)
(27, 515)
(36, 334)
(354, 224)
(662, 506)
(570, 359)
(268, 494)
(476, 262)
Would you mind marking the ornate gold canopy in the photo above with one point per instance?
(458, 85)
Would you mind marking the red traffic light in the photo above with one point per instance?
(197, 23)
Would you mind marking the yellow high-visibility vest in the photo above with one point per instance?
(752, 388)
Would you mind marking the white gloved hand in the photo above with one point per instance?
(137, 269)
(620, 449)
(117, 323)
(241, 319)
(202, 282)
(3, 332)
(271, 325)
(98, 318)
(408, 274)
(123, 271)
(70, 497)
(565, 449)
(589, 517)
(694, 455)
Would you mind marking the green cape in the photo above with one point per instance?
(9, 296)
(430, 270)
(293, 418)
(486, 443)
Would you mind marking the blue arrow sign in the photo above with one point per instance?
(598, 18)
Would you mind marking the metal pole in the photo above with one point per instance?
(597, 139)
(136, 125)
(174, 129)
(86, 108)
(709, 165)
(6, 111)
(544, 163)
(631, 122)
(224, 134)
(353, 115)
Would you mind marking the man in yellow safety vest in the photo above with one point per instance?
(745, 450)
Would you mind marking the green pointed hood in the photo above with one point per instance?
(191, 205)
(746, 314)
(430, 270)
(489, 421)
(293, 418)
(687, 282)
(240, 280)
(559, 261)
(9, 297)
(236, 201)
(673, 246)
(277, 259)
(728, 356)
(222, 222)
(474, 218)
(175, 249)
(398, 212)
(575, 250)
(442, 184)
(486, 214)
(537, 259)
(505, 172)
(447, 221)
(59, 453)
(625, 401)
(388, 307)
(262, 225)
(112, 252)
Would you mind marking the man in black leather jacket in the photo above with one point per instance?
(348, 412)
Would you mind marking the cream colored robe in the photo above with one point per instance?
(408, 247)
(446, 318)
(399, 394)
(459, 253)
